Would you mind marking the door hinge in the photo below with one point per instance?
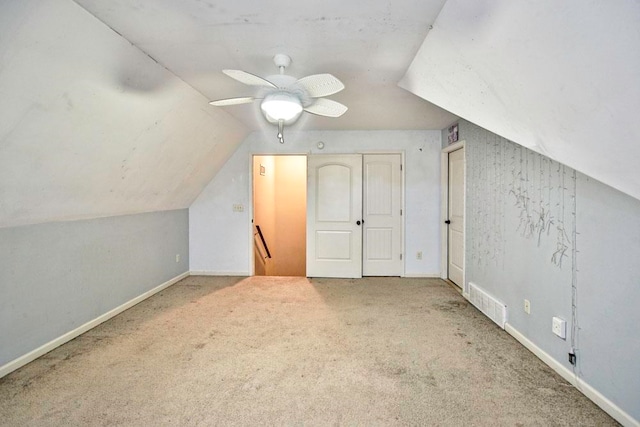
(400, 257)
(400, 166)
(400, 212)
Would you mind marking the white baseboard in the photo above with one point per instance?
(422, 276)
(220, 273)
(45, 348)
(542, 355)
(608, 406)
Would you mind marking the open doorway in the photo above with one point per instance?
(279, 215)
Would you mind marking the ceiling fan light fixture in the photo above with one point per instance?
(284, 97)
(281, 106)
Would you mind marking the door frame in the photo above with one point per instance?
(252, 153)
(444, 213)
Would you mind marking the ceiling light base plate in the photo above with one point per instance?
(282, 60)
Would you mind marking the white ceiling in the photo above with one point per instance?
(92, 126)
(561, 78)
(75, 142)
(366, 44)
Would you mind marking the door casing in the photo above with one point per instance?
(270, 153)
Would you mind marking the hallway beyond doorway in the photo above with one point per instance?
(279, 214)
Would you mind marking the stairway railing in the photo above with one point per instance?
(263, 241)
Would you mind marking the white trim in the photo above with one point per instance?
(608, 406)
(454, 147)
(219, 273)
(45, 348)
(307, 154)
(444, 210)
(444, 205)
(403, 200)
(563, 371)
(421, 276)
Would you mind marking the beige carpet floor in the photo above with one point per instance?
(292, 351)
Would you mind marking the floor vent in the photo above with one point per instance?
(488, 305)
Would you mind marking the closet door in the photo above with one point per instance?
(382, 204)
(334, 216)
(456, 217)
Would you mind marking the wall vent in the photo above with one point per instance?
(488, 305)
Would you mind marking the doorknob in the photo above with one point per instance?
(358, 222)
(447, 221)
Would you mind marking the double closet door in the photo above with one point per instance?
(354, 215)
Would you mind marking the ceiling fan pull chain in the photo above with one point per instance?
(281, 131)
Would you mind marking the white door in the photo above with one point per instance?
(456, 217)
(382, 204)
(334, 216)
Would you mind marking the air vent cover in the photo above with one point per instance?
(488, 305)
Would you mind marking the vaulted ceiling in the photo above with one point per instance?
(562, 78)
(368, 45)
(104, 104)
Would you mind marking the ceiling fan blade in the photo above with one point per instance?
(327, 108)
(233, 101)
(319, 85)
(248, 78)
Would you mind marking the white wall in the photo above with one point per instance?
(93, 127)
(538, 230)
(220, 239)
(558, 77)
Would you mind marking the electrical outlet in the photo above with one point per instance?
(559, 327)
(177, 257)
(419, 255)
(527, 306)
(238, 208)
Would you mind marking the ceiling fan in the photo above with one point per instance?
(284, 98)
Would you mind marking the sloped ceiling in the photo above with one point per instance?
(105, 112)
(368, 44)
(91, 126)
(104, 104)
(559, 77)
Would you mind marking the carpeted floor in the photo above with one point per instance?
(292, 351)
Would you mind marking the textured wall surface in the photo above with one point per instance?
(538, 230)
